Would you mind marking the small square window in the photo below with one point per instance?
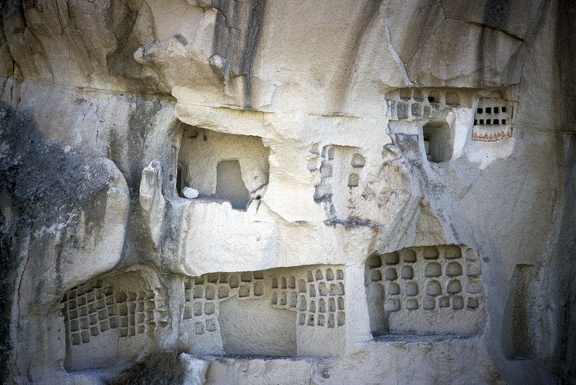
(503, 121)
(503, 109)
(496, 110)
(480, 110)
(488, 110)
(475, 122)
(481, 121)
(488, 121)
(496, 121)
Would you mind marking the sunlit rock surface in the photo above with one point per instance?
(288, 192)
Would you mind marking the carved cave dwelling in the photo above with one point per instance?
(287, 192)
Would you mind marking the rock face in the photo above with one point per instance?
(288, 191)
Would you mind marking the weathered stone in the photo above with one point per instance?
(190, 193)
(267, 192)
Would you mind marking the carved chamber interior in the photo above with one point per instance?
(438, 141)
(221, 166)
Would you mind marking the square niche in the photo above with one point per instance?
(222, 166)
(438, 141)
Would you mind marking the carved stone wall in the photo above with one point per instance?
(426, 290)
(267, 312)
(109, 320)
(288, 192)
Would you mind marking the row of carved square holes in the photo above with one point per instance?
(210, 292)
(211, 325)
(489, 121)
(433, 96)
(489, 111)
(429, 303)
(231, 278)
(334, 304)
(290, 283)
(280, 297)
(289, 299)
(329, 320)
(450, 252)
(434, 288)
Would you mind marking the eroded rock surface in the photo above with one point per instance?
(287, 192)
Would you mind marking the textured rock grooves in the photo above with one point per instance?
(238, 27)
(565, 35)
(287, 192)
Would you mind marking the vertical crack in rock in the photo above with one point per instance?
(430, 28)
(237, 37)
(496, 13)
(397, 59)
(22, 41)
(344, 75)
(76, 37)
(120, 61)
(511, 74)
(254, 28)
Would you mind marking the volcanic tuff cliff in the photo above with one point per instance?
(288, 192)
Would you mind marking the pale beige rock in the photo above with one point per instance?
(190, 193)
(151, 200)
(195, 370)
(288, 192)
